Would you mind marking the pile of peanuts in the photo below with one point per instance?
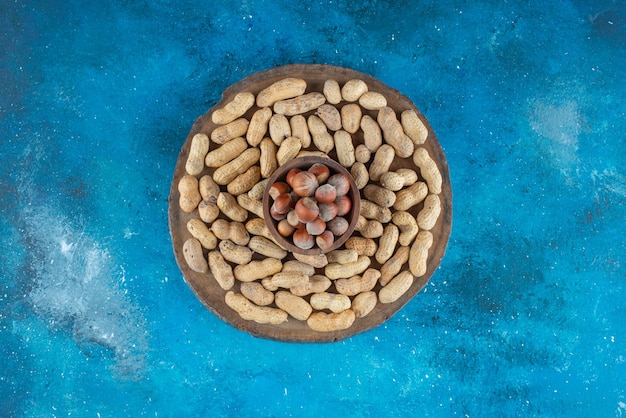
(229, 238)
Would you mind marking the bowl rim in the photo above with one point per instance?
(304, 161)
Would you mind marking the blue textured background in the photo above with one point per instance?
(525, 317)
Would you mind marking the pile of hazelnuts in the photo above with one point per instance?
(310, 206)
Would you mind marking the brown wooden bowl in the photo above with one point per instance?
(204, 285)
(304, 163)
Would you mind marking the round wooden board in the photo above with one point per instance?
(204, 285)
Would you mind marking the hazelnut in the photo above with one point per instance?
(307, 209)
(284, 228)
(341, 183)
(321, 172)
(282, 203)
(302, 239)
(277, 189)
(326, 193)
(304, 183)
(292, 219)
(327, 211)
(316, 226)
(290, 175)
(325, 240)
(338, 226)
(275, 215)
(344, 205)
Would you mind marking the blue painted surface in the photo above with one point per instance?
(524, 317)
